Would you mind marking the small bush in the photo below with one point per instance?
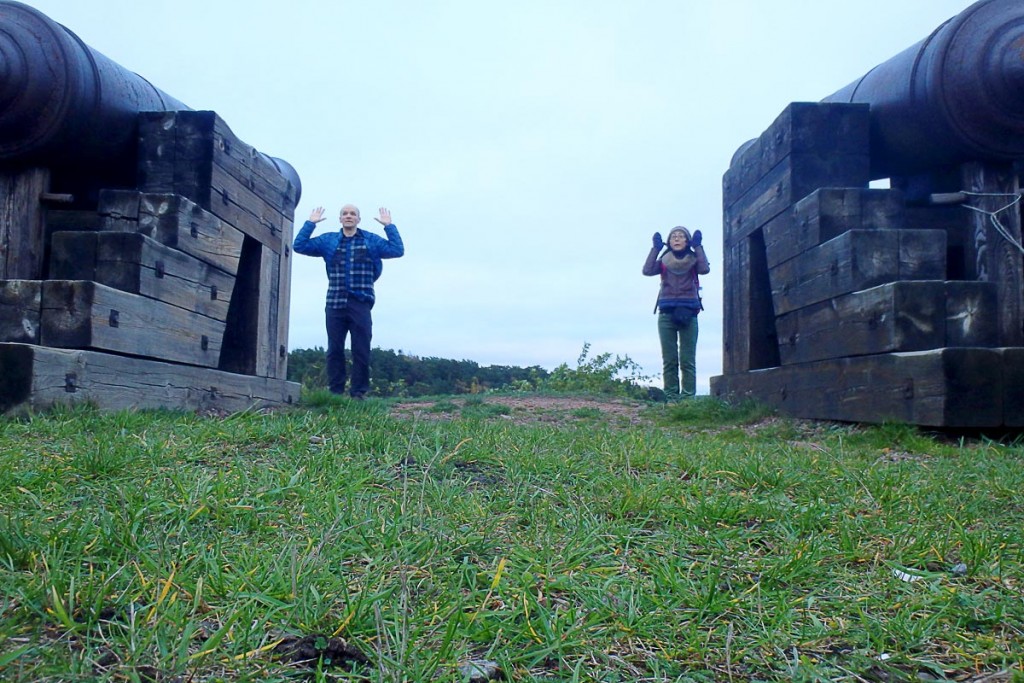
(600, 374)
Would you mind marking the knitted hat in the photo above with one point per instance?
(679, 228)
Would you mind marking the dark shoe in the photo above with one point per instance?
(358, 397)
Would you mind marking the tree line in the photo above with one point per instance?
(397, 374)
(394, 373)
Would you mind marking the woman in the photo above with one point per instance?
(678, 306)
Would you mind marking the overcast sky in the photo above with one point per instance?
(527, 150)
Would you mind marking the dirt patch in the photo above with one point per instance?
(527, 409)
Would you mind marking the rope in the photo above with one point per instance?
(993, 216)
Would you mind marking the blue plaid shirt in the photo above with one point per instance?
(353, 263)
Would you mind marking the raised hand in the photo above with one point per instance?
(317, 215)
(657, 242)
(697, 238)
(385, 217)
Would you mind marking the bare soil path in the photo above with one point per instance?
(528, 409)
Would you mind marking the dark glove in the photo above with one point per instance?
(697, 238)
(657, 241)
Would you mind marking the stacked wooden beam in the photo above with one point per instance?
(839, 307)
(176, 295)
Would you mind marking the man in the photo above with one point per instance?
(353, 259)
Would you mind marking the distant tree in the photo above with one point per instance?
(309, 367)
(397, 374)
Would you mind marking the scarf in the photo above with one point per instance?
(679, 265)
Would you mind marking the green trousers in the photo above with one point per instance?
(678, 352)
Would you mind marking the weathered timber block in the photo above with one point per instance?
(22, 224)
(811, 128)
(991, 253)
(897, 316)
(242, 162)
(174, 221)
(793, 178)
(20, 310)
(749, 317)
(157, 153)
(1013, 386)
(177, 222)
(856, 260)
(267, 328)
(37, 378)
(283, 304)
(194, 154)
(73, 255)
(119, 210)
(972, 313)
(252, 342)
(86, 315)
(949, 387)
(233, 201)
(827, 213)
(735, 308)
(71, 219)
(134, 263)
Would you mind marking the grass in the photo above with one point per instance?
(705, 544)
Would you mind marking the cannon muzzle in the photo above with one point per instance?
(64, 104)
(956, 96)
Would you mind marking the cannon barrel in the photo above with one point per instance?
(956, 96)
(62, 103)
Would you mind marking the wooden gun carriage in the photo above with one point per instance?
(906, 304)
(145, 251)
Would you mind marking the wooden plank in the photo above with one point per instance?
(1013, 386)
(972, 314)
(20, 310)
(284, 289)
(256, 170)
(22, 224)
(239, 206)
(856, 260)
(118, 210)
(948, 387)
(204, 138)
(897, 316)
(137, 264)
(827, 213)
(989, 255)
(749, 319)
(735, 305)
(220, 173)
(177, 222)
(36, 378)
(73, 256)
(811, 128)
(71, 219)
(87, 315)
(156, 153)
(793, 178)
(266, 329)
(134, 263)
(240, 352)
(174, 221)
(953, 220)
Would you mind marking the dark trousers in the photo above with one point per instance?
(354, 319)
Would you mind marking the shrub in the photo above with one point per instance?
(599, 374)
